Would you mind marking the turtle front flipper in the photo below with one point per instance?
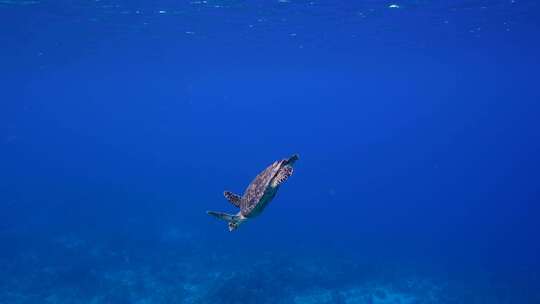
(233, 220)
(282, 176)
(222, 215)
(233, 198)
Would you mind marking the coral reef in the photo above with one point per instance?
(73, 270)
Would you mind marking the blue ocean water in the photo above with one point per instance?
(417, 125)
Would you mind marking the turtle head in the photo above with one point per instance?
(235, 222)
(233, 226)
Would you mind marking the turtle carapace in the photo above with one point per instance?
(258, 194)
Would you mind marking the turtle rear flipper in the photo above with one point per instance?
(282, 176)
(233, 198)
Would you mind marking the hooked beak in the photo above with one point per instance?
(232, 226)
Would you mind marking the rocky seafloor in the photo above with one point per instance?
(69, 269)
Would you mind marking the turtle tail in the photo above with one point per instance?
(231, 219)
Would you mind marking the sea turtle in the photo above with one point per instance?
(258, 194)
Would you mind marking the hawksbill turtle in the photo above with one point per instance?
(258, 194)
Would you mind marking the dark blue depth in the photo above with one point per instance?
(416, 122)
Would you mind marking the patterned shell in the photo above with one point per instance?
(258, 188)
